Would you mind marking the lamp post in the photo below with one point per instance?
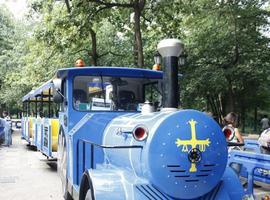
(157, 59)
(182, 60)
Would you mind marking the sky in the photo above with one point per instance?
(16, 7)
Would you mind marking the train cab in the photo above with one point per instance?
(90, 98)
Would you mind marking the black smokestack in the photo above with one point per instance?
(170, 50)
(170, 88)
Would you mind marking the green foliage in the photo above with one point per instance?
(228, 51)
(227, 54)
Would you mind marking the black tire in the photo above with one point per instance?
(86, 188)
(62, 164)
(88, 192)
(88, 195)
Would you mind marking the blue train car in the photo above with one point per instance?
(40, 125)
(252, 165)
(122, 137)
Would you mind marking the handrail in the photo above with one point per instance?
(251, 162)
(83, 141)
(110, 147)
(235, 144)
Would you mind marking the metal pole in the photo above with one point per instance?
(41, 105)
(49, 106)
(28, 108)
(36, 110)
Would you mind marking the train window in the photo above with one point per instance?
(63, 105)
(97, 93)
(152, 93)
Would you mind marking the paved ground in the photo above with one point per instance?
(25, 174)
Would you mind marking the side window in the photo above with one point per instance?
(152, 94)
(63, 105)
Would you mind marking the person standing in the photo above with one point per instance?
(2, 130)
(264, 141)
(7, 130)
(265, 122)
(231, 121)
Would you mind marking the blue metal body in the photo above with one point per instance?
(101, 148)
(46, 145)
(254, 166)
(39, 134)
(24, 133)
(252, 145)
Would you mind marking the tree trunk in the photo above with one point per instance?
(135, 52)
(68, 6)
(230, 99)
(214, 108)
(243, 118)
(94, 54)
(138, 7)
(255, 119)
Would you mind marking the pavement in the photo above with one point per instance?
(25, 173)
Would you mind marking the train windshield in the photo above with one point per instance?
(103, 93)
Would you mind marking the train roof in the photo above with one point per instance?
(94, 71)
(44, 88)
(110, 71)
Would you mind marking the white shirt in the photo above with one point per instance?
(264, 139)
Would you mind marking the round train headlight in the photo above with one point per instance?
(140, 133)
(228, 133)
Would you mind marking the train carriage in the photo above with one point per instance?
(40, 124)
(122, 137)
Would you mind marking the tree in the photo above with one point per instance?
(137, 7)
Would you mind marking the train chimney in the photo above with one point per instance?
(170, 50)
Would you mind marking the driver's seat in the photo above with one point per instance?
(126, 98)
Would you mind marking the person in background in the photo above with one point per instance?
(265, 122)
(231, 120)
(2, 130)
(264, 141)
(79, 63)
(7, 130)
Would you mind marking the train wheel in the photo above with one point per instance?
(62, 163)
(88, 195)
(86, 188)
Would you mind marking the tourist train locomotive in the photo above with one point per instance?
(122, 137)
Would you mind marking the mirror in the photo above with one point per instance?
(57, 96)
(57, 83)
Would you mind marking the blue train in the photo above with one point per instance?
(121, 136)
